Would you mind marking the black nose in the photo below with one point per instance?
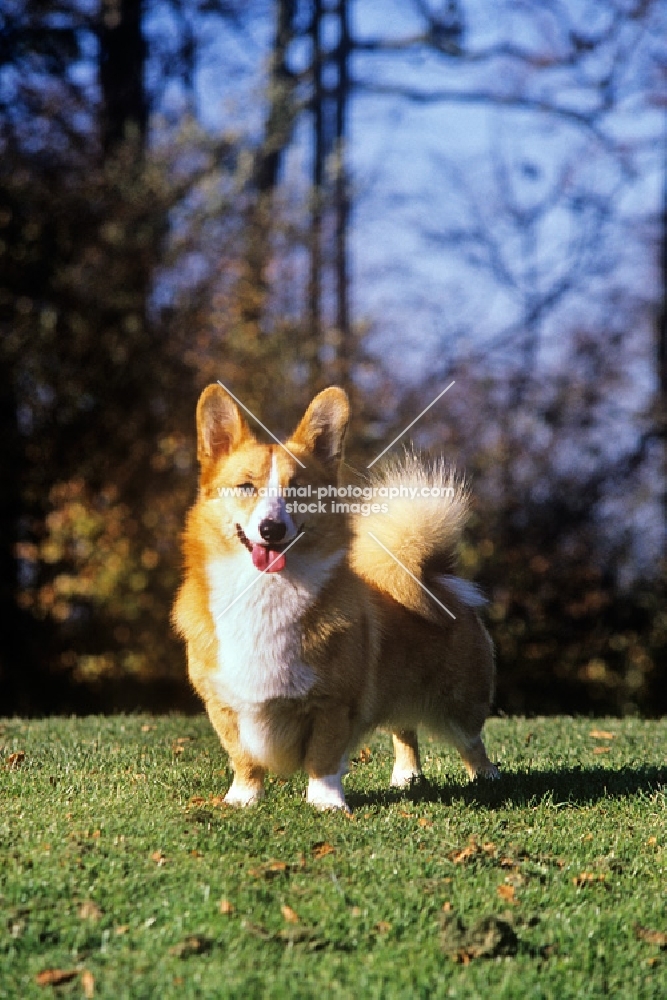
(272, 531)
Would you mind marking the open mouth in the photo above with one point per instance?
(266, 558)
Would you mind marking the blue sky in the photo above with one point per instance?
(427, 177)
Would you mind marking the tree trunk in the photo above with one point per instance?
(280, 120)
(329, 222)
(661, 365)
(122, 58)
(342, 202)
(317, 207)
(10, 510)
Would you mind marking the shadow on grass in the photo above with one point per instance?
(572, 786)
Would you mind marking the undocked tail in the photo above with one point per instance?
(413, 545)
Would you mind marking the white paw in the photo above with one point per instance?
(326, 792)
(402, 777)
(241, 794)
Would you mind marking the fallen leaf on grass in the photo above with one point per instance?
(226, 907)
(321, 849)
(465, 854)
(199, 815)
(602, 734)
(15, 760)
(55, 977)
(192, 945)
(159, 858)
(653, 937)
(147, 728)
(601, 749)
(270, 870)
(588, 878)
(506, 893)
(423, 822)
(289, 914)
(89, 911)
(382, 927)
(471, 851)
(88, 984)
(459, 857)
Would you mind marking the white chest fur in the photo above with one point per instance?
(258, 628)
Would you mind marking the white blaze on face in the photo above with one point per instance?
(271, 505)
(274, 477)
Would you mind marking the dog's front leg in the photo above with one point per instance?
(326, 757)
(248, 784)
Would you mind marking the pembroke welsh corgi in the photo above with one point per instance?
(315, 612)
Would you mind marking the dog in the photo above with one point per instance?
(309, 624)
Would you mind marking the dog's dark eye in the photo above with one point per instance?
(247, 488)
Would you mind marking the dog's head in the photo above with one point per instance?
(268, 494)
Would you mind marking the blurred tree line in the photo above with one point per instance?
(144, 254)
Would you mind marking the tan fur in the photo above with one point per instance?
(422, 532)
(372, 648)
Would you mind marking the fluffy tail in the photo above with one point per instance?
(415, 535)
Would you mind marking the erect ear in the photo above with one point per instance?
(323, 426)
(220, 426)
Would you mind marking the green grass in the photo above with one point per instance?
(116, 853)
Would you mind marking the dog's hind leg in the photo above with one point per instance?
(474, 755)
(407, 767)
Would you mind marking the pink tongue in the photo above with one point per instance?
(267, 560)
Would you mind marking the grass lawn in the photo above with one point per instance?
(122, 874)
